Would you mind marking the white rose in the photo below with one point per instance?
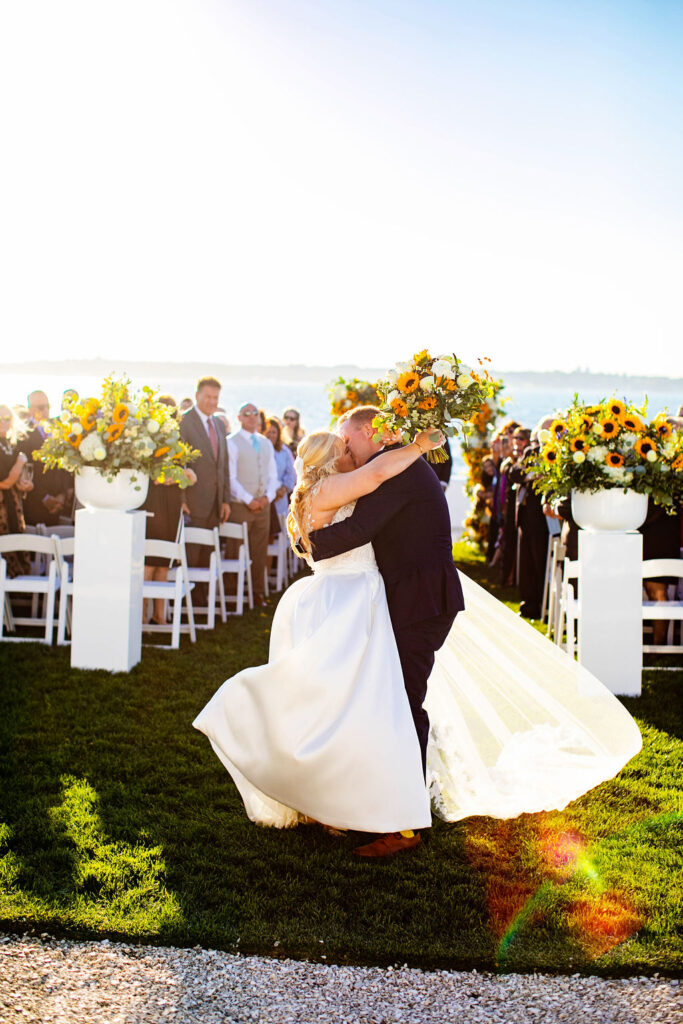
(596, 428)
(392, 376)
(339, 392)
(598, 453)
(669, 449)
(544, 435)
(153, 426)
(651, 456)
(464, 380)
(427, 384)
(65, 417)
(403, 367)
(77, 428)
(628, 439)
(100, 453)
(442, 368)
(446, 359)
(393, 395)
(578, 457)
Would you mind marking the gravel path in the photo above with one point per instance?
(54, 982)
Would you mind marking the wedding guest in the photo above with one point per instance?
(52, 494)
(284, 465)
(222, 415)
(532, 537)
(661, 539)
(254, 484)
(22, 414)
(12, 488)
(293, 431)
(263, 421)
(208, 501)
(510, 468)
(185, 405)
(165, 502)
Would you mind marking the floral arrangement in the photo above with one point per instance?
(476, 446)
(119, 430)
(610, 445)
(428, 392)
(348, 394)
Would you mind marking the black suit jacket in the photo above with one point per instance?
(45, 481)
(407, 520)
(205, 498)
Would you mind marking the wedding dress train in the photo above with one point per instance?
(324, 730)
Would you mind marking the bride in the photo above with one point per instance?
(324, 731)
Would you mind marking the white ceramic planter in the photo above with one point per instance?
(94, 490)
(609, 511)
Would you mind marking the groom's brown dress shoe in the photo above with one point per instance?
(388, 845)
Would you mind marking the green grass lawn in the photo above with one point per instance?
(117, 820)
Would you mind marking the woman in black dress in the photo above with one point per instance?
(12, 488)
(661, 539)
(165, 502)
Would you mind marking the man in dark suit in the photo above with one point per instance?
(208, 501)
(52, 494)
(408, 523)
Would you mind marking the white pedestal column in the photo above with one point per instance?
(610, 609)
(107, 602)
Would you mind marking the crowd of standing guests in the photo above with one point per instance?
(243, 475)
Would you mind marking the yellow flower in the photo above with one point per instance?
(408, 382)
(609, 428)
(632, 423)
(585, 421)
(677, 463)
(427, 403)
(662, 428)
(615, 407)
(120, 413)
(550, 455)
(578, 444)
(645, 445)
(161, 451)
(557, 428)
(421, 357)
(113, 432)
(399, 407)
(614, 459)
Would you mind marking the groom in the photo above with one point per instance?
(408, 523)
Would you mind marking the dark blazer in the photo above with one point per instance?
(45, 481)
(407, 520)
(213, 475)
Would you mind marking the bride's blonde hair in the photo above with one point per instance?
(319, 453)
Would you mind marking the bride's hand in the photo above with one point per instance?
(427, 440)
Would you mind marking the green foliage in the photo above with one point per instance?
(119, 821)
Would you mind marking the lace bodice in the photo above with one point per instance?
(360, 559)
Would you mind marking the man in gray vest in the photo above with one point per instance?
(253, 485)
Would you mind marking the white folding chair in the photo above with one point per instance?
(670, 610)
(557, 556)
(204, 574)
(176, 591)
(64, 553)
(239, 566)
(278, 551)
(568, 617)
(37, 586)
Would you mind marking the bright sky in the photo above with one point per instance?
(321, 181)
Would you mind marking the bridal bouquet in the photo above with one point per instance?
(119, 430)
(348, 394)
(610, 445)
(429, 392)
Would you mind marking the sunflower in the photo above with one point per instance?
(447, 383)
(579, 444)
(120, 413)
(558, 427)
(585, 421)
(113, 432)
(632, 423)
(421, 357)
(74, 439)
(662, 428)
(399, 407)
(614, 459)
(408, 382)
(88, 419)
(677, 463)
(593, 410)
(609, 428)
(162, 451)
(550, 455)
(427, 403)
(645, 445)
(616, 408)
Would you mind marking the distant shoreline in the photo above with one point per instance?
(573, 380)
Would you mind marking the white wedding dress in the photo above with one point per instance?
(324, 730)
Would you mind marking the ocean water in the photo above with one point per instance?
(526, 404)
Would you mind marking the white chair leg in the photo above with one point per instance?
(211, 617)
(221, 595)
(250, 588)
(177, 613)
(50, 603)
(239, 605)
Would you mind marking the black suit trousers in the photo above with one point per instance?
(417, 643)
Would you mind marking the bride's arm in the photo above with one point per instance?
(342, 488)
